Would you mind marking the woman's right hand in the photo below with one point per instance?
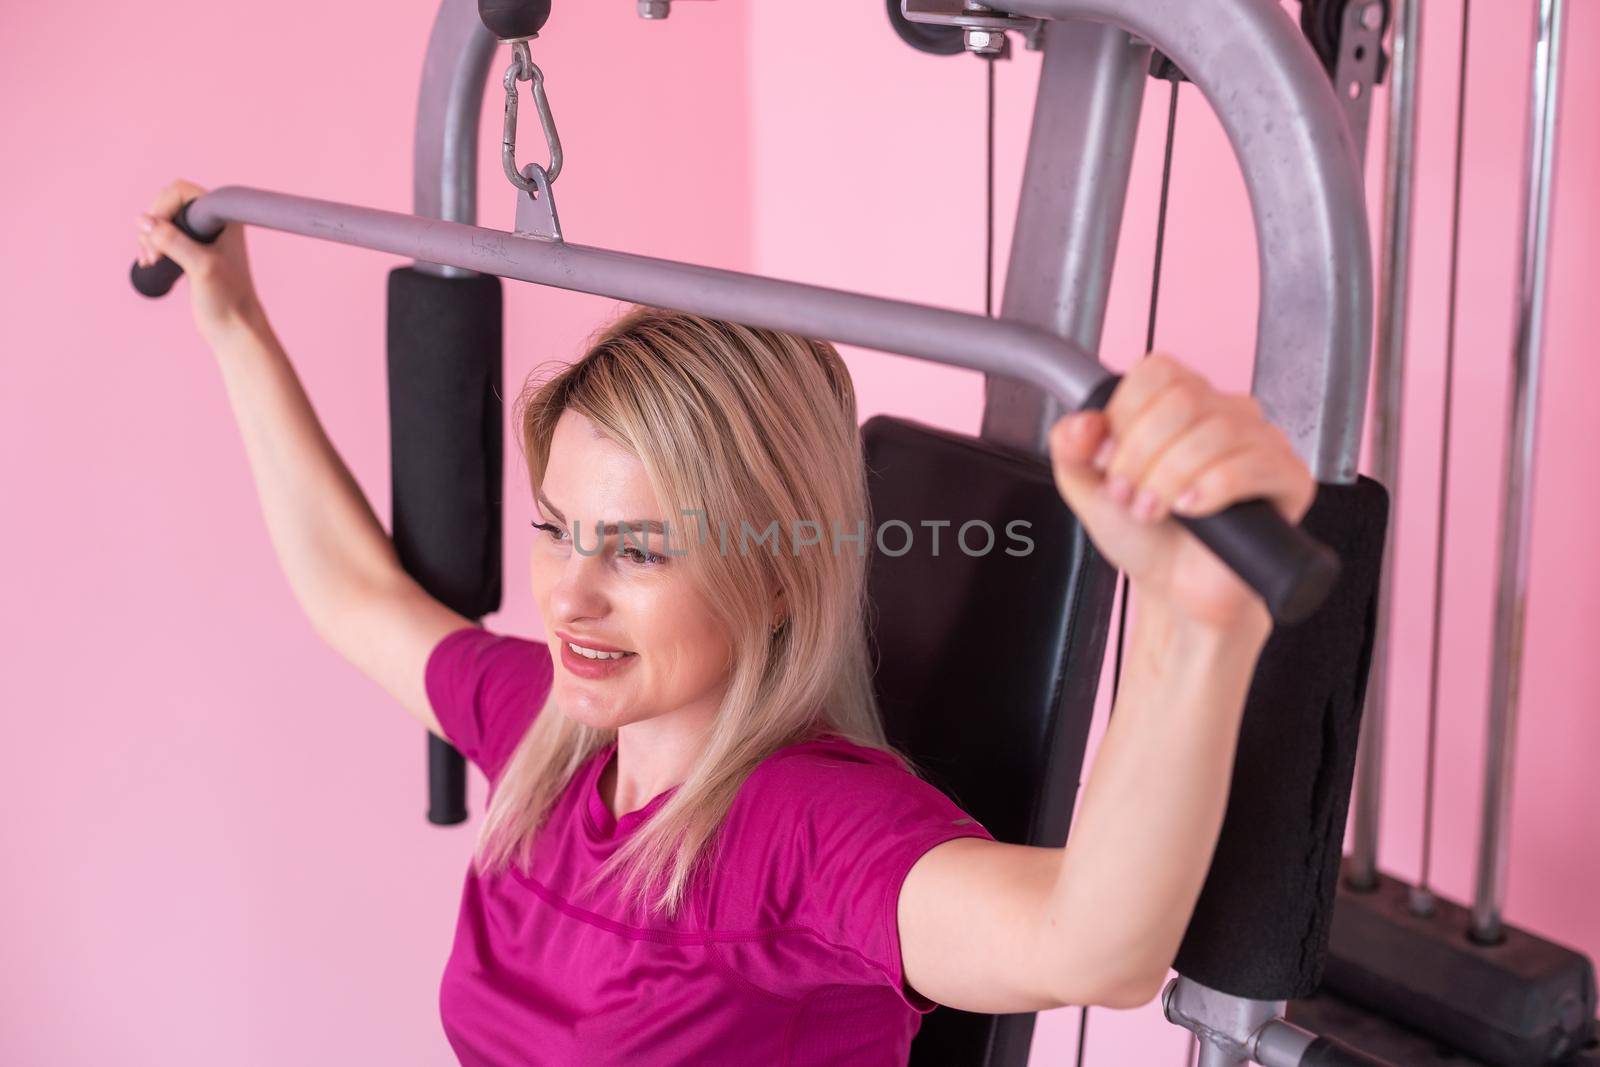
(222, 295)
(1168, 442)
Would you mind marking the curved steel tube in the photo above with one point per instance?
(1314, 328)
(994, 346)
(444, 156)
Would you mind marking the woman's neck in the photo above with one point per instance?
(652, 756)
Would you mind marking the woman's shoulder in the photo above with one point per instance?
(828, 778)
(827, 757)
(821, 836)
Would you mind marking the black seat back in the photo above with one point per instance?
(988, 661)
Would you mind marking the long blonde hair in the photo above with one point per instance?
(746, 426)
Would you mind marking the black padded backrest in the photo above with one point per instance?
(988, 663)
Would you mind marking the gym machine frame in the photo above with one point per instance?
(1408, 970)
(1300, 164)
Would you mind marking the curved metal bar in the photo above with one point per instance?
(1314, 327)
(455, 72)
(1052, 364)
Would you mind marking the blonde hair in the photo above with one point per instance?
(743, 425)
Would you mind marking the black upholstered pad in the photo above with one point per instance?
(988, 664)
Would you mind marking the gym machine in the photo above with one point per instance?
(1413, 976)
(1260, 933)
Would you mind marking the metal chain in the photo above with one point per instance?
(522, 69)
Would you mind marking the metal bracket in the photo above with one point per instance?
(1359, 66)
(985, 29)
(1236, 1031)
(536, 207)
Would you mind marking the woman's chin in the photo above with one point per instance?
(581, 706)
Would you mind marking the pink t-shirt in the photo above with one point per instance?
(788, 956)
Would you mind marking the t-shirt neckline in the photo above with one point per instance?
(601, 822)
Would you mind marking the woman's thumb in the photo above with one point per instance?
(1074, 440)
(172, 242)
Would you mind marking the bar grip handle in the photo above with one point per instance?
(159, 278)
(1292, 571)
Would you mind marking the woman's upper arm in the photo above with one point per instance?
(387, 632)
(970, 914)
(976, 932)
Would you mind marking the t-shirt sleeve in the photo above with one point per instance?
(861, 828)
(486, 689)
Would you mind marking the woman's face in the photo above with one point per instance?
(605, 593)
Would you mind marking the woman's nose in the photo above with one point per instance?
(579, 590)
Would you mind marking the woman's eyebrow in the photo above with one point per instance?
(608, 528)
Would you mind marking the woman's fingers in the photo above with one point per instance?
(1175, 440)
(158, 237)
(1167, 436)
(1259, 470)
(172, 196)
(1143, 438)
(1149, 377)
(161, 238)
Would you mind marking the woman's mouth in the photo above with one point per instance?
(587, 662)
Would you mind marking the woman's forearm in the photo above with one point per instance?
(1147, 823)
(326, 536)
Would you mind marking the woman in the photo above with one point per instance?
(699, 847)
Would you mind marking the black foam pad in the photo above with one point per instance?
(446, 450)
(988, 664)
(1260, 929)
(446, 441)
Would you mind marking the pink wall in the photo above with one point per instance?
(201, 858)
(214, 845)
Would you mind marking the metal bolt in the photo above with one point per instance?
(985, 42)
(1372, 16)
(655, 9)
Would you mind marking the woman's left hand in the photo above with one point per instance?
(1168, 442)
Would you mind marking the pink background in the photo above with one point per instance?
(214, 849)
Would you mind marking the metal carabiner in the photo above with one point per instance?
(522, 69)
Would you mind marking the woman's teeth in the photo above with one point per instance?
(591, 653)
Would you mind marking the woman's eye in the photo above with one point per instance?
(555, 532)
(640, 556)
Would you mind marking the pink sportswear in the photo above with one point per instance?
(788, 956)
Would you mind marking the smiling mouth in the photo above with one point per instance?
(595, 653)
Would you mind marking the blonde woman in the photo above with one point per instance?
(699, 847)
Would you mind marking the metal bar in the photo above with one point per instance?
(1389, 366)
(1281, 1044)
(1516, 522)
(1056, 366)
(1074, 186)
(445, 153)
(1273, 98)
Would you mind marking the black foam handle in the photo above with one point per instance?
(1326, 1052)
(1291, 570)
(159, 278)
(447, 783)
